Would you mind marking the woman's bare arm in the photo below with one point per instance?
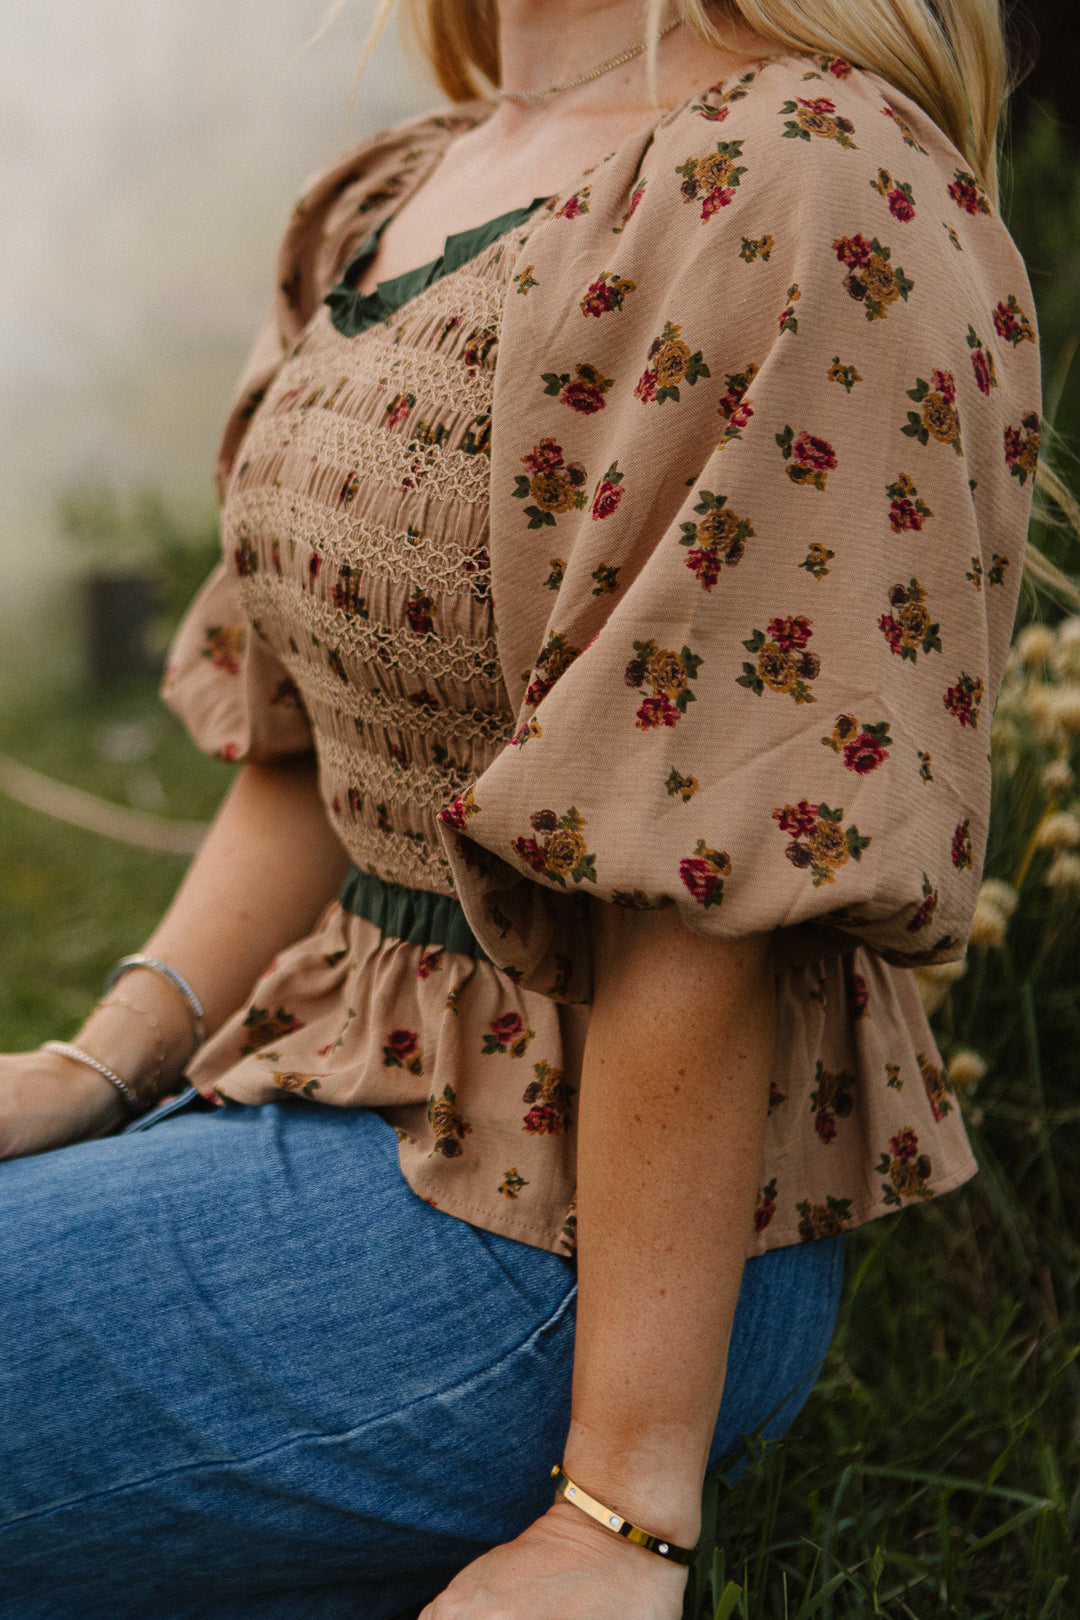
(674, 1098)
(269, 864)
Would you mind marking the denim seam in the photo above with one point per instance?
(301, 1439)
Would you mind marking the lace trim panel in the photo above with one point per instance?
(421, 787)
(381, 366)
(366, 450)
(398, 858)
(409, 715)
(479, 297)
(393, 646)
(444, 565)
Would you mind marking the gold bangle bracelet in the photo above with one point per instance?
(614, 1521)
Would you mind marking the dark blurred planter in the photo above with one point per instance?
(120, 609)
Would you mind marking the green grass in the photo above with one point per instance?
(71, 902)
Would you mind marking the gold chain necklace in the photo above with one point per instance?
(532, 96)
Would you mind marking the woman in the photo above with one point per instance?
(715, 399)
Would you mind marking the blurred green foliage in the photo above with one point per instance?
(1041, 201)
(137, 533)
(72, 902)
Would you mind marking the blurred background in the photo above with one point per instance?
(149, 155)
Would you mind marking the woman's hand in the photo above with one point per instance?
(564, 1567)
(142, 1032)
(47, 1101)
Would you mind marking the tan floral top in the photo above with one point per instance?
(739, 438)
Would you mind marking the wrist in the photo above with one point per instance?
(141, 1031)
(88, 1095)
(653, 1477)
(588, 1541)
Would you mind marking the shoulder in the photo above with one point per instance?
(352, 195)
(810, 136)
(800, 170)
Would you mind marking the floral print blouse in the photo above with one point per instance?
(666, 552)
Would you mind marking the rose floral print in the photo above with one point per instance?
(553, 485)
(670, 364)
(823, 1220)
(679, 571)
(550, 1097)
(263, 1028)
(783, 663)
(820, 841)
(402, 1051)
(939, 418)
(907, 511)
(735, 407)
(967, 193)
(583, 392)
(563, 853)
(982, 363)
(512, 1184)
(766, 1206)
(964, 700)
(810, 459)
(717, 541)
(449, 1129)
(1022, 448)
(703, 874)
(937, 1087)
(223, 645)
(554, 660)
(831, 1099)
(606, 293)
(907, 1171)
(908, 628)
(872, 279)
(668, 675)
(1011, 324)
(863, 748)
(817, 117)
(507, 1034)
(897, 193)
(609, 492)
(714, 178)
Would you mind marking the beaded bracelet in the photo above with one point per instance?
(614, 1521)
(76, 1055)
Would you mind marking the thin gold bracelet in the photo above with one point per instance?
(614, 1521)
(152, 1024)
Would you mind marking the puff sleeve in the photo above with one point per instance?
(222, 678)
(765, 430)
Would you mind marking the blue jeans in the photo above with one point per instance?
(246, 1372)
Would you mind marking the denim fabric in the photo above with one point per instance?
(245, 1372)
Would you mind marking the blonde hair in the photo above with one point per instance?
(949, 56)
